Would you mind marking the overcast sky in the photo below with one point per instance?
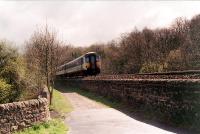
(83, 23)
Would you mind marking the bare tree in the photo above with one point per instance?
(42, 57)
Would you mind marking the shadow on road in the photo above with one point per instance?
(124, 108)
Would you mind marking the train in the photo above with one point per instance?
(86, 65)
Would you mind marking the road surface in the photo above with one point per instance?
(90, 117)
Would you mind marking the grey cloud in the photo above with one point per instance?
(83, 23)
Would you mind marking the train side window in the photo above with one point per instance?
(73, 64)
(78, 62)
(97, 58)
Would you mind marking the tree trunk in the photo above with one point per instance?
(51, 96)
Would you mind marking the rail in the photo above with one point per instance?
(189, 74)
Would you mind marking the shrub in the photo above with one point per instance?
(5, 91)
(153, 67)
(15, 84)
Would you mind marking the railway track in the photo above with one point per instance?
(190, 74)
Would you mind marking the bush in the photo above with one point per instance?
(5, 91)
(152, 67)
(15, 84)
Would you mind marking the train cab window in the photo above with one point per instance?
(87, 59)
(92, 59)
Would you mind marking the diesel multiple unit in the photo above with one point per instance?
(87, 64)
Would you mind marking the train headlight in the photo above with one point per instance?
(87, 65)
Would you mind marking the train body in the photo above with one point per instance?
(85, 65)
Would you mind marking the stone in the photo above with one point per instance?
(14, 128)
(19, 115)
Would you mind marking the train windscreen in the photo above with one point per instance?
(92, 58)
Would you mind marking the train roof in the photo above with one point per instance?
(88, 53)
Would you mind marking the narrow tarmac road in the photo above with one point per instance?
(90, 117)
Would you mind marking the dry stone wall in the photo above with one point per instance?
(174, 101)
(171, 101)
(19, 115)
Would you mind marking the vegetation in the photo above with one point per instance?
(42, 55)
(60, 103)
(54, 126)
(5, 91)
(15, 84)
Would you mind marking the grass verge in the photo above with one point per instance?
(60, 104)
(54, 126)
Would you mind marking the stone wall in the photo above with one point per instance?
(19, 115)
(174, 101)
(171, 101)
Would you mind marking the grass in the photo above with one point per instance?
(54, 126)
(60, 103)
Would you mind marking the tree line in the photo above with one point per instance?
(149, 50)
(159, 50)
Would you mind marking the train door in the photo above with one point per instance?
(92, 61)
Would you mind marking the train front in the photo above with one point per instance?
(92, 63)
